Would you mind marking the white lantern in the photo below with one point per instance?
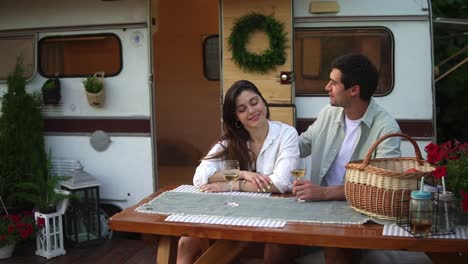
(49, 240)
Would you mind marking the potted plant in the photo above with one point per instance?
(451, 167)
(50, 204)
(22, 155)
(51, 91)
(44, 193)
(450, 160)
(15, 228)
(94, 86)
(45, 196)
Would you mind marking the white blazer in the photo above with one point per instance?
(279, 150)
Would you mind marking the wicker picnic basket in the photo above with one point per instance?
(380, 187)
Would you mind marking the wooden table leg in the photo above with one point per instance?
(205, 244)
(167, 250)
(222, 251)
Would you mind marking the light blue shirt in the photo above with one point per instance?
(279, 150)
(324, 137)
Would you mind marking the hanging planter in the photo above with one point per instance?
(51, 91)
(94, 87)
(240, 35)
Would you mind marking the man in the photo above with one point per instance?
(343, 131)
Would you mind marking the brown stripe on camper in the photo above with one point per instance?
(57, 125)
(413, 128)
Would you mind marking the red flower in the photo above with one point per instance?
(431, 147)
(40, 222)
(438, 155)
(465, 205)
(446, 145)
(440, 172)
(450, 161)
(15, 218)
(433, 157)
(24, 233)
(15, 228)
(464, 196)
(463, 148)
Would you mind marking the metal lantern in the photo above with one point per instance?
(82, 218)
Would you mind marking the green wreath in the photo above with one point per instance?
(268, 59)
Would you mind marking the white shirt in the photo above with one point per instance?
(324, 137)
(335, 174)
(279, 150)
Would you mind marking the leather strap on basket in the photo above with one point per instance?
(379, 140)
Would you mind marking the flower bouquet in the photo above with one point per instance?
(450, 160)
(16, 227)
(13, 229)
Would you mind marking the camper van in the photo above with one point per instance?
(167, 64)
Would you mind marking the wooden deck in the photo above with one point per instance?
(137, 251)
(114, 251)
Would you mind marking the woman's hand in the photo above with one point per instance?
(262, 182)
(215, 187)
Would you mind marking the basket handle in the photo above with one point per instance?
(379, 140)
(99, 75)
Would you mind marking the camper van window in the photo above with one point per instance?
(315, 50)
(211, 57)
(18, 46)
(80, 55)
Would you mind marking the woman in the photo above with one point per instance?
(265, 149)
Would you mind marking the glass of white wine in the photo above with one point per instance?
(298, 170)
(231, 174)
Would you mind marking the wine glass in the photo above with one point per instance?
(231, 174)
(298, 170)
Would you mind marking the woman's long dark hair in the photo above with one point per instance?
(235, 134)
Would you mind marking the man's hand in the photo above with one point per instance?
(306, 190)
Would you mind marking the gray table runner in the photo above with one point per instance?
(275, 208)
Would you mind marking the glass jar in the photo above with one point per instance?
(445, 211)
(420, 216)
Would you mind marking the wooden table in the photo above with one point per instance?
(367, 236)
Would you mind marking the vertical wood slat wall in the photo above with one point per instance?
(268, 84)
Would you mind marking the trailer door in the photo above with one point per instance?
(275, 84)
